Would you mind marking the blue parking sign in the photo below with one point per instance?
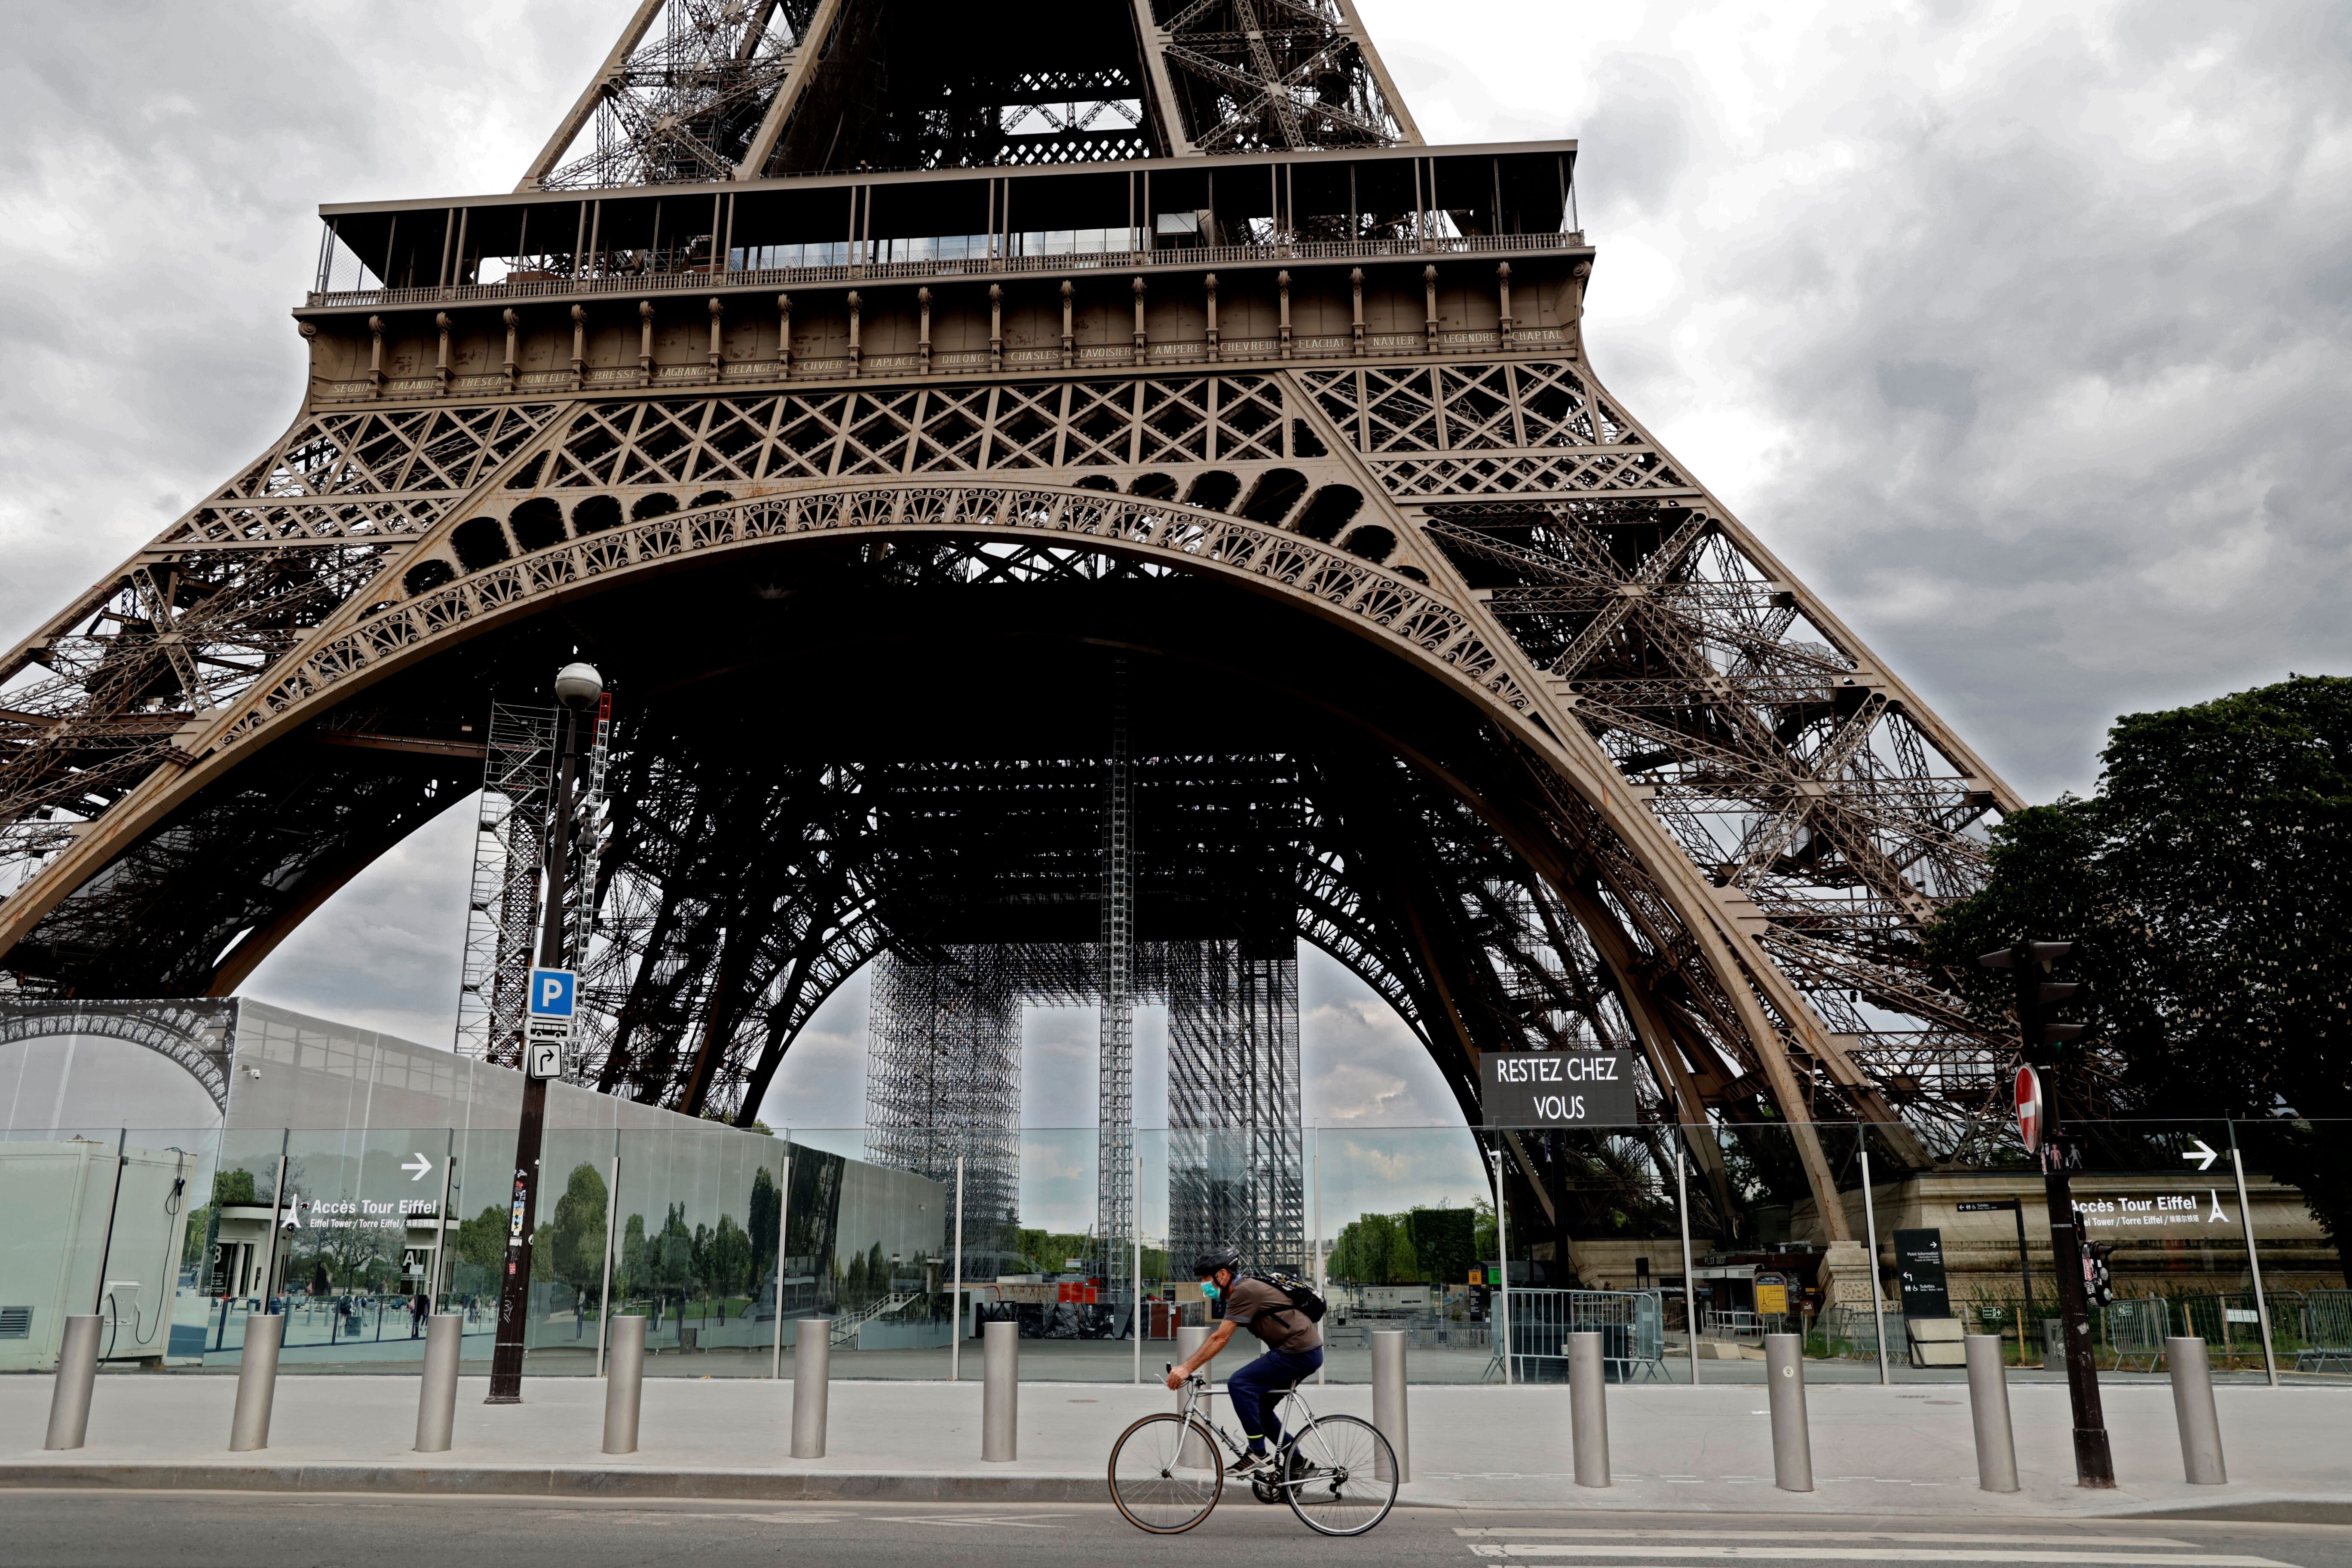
(551, 993)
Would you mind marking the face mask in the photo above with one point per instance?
(1209, 1289)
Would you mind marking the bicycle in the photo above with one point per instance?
(1166, 1474)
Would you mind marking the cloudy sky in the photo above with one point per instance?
(2019, 331)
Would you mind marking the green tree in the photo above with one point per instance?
(728, 1259)
(482, 1240)
(1047, 1250)
(761, 1214)
(2207, 888)
(234, 1187)
(632, 1277)
(574, 1242)
(1444, 1244)
(700, 1267)
(670, 1257)
(1375, 1249)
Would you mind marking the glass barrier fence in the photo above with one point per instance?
(1683, 1246)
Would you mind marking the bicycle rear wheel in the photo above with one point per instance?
(1351, 1477)
(1165, 1475)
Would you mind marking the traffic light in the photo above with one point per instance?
(2028, 963)
(2099, 1284)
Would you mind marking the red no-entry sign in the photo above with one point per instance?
(2029, 1107)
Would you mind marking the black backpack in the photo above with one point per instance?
(1304, 1299)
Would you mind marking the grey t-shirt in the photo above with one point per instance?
(1266, 1311)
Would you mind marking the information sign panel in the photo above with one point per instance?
(1558, 1089)
(1919, 1268)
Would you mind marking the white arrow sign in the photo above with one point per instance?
(416, 1165)
(2204, 1148)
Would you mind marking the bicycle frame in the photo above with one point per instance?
(1197, 1393)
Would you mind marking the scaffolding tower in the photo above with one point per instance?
(502, 909)
(943, 1081)
(1115, 1183)
(943, 1077)
(1236, 1174)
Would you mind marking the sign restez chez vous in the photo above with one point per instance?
(1558, 1089)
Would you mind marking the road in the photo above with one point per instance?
(66, 1529)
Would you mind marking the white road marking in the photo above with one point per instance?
(1873, 1554)
(658, 1516)
(1023, 1521)
(1970, 1537)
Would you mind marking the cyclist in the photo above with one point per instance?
(1294, 1349)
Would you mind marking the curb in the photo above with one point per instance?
(879, 1486)
(563, 1481)
(2336, 1511)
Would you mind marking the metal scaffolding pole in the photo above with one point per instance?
(1115, 1085)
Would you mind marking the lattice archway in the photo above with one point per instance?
(197, 1035)
(1647, 892)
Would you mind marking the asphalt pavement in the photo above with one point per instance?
(75, 1528)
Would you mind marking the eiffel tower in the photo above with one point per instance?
(884, 399)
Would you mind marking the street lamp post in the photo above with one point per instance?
(577, 687)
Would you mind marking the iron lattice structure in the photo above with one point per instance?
(1235, 1173)
(510, 858)
(943, 1080)
(701, 90)
(943, 1083)
(1116, 1184)
(861, 470)
(508, 892)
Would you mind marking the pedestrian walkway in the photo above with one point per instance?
(1676, 1448)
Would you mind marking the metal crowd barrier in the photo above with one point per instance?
(1731, 1325)
(1848, 1336)
(2136, 1331)
(2326, 1332)
(1631, 1323)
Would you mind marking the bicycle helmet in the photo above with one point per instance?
(1216, 1257)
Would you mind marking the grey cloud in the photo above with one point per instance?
(1949, 390)
(2118, 355)
(2018, 332)
(1637, 141)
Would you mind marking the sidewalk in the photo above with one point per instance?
(1876, 1450)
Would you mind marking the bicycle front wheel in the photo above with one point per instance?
(1165, 1475)
(1351, 1477)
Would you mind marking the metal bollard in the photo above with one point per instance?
(1001, 1393)
(1588, 1407)
(257, 1384)
(436, 1391)
(625, 1383)
(1792, 1440)
(2192, 1408)
(77, 1376)
(1388, 1401)
(1988, 1408)
(812, 1382)
(1195, 1455)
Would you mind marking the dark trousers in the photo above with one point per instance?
(1258, 1387)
